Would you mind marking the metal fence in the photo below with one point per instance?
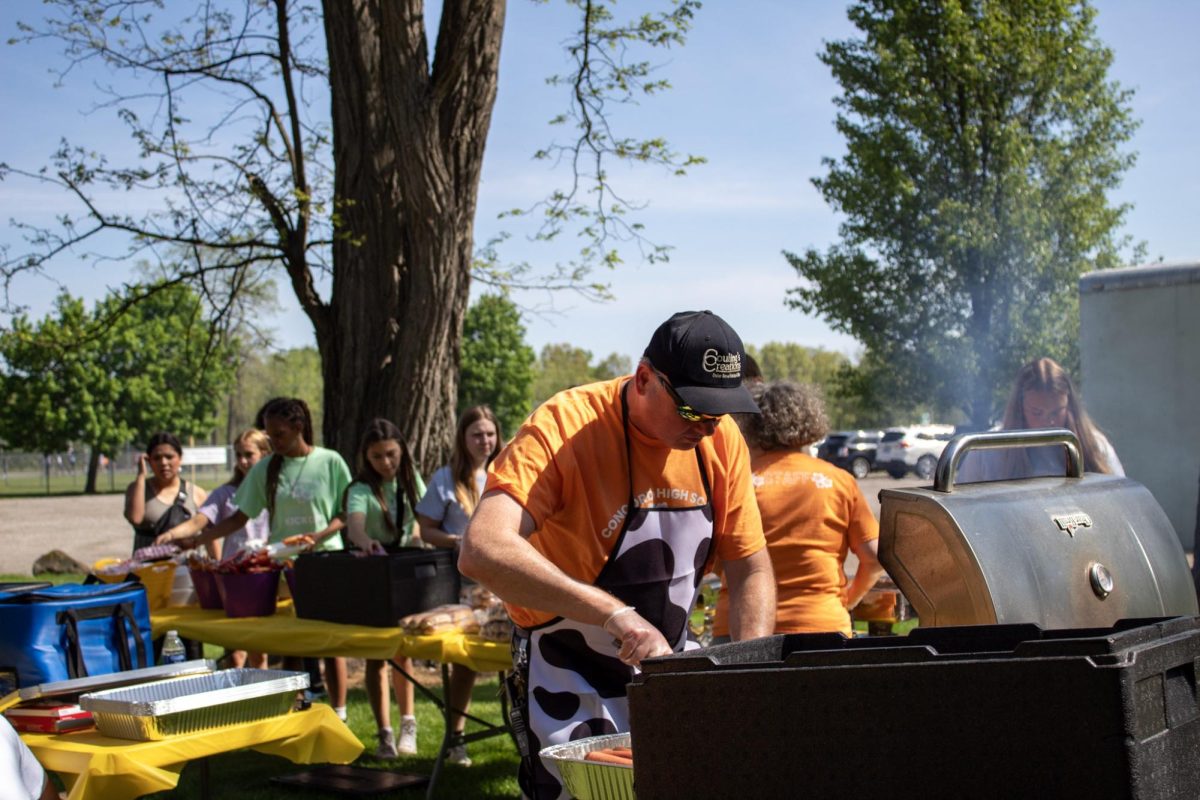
(54, 473)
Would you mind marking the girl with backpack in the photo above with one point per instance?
(159, 498)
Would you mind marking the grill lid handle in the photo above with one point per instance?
(959, 446)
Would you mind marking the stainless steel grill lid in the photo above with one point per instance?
(1085, 550)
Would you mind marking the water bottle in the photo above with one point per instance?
(172, 650)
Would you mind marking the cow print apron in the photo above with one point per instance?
(575, 682)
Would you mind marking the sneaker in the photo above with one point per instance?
(387, 747)
(408, 736)
(458, 755)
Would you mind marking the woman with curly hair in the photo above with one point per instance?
(813, 514)
(1043, 396)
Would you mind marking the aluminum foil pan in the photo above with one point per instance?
(162, 709)
(112, 680)
(591, 780)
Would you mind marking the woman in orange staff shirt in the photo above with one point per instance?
(813, 514)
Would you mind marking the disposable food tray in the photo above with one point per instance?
(113, 680)
(592, 780)
(163, 709)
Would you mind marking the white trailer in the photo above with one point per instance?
(1140, 353)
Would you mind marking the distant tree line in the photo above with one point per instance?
(72, 378)
(982, 139)
(112, 374)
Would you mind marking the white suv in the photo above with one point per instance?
(912, 449)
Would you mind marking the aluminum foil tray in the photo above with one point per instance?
(162, 709)
(112, 680)
(591, 780)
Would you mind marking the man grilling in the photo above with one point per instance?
(598, 522)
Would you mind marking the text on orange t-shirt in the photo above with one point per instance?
(567, 467)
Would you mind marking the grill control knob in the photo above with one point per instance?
(1101, 580)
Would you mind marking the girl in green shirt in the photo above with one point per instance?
(301, 487)
(379, 510)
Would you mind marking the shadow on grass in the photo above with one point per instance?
(247, 775)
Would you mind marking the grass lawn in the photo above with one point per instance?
(29, 484)
(246, 775)
(47, 578)
(33, 484)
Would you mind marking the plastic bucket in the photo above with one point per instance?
(206, 589)
(158, 578)
(183, 591)
(109, 577)
(249, 595)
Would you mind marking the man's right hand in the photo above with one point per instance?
(639, 639)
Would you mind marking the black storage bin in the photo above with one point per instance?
(373, 590)
(982, 711)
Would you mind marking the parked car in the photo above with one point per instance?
(915, 448)
(853, 451)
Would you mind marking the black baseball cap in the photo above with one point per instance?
(702, 357)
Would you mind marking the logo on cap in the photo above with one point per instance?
(728, 365)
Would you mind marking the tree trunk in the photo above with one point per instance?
(89, 486)
(983, 317)
(408, 150)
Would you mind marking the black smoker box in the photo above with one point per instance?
(995, 711)
(374, 590)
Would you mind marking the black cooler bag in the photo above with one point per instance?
(57, 633)
(377, 591)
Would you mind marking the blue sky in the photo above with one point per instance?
(749, 94)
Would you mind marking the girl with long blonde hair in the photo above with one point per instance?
(443, 512)
(1043, 396)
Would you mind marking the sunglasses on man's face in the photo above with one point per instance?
(681, 408)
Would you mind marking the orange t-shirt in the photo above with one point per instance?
(811, 512)
(567, 467)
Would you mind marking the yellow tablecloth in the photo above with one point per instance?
(97, 766)
(287, 635)
(283, 634)
(480, 655)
